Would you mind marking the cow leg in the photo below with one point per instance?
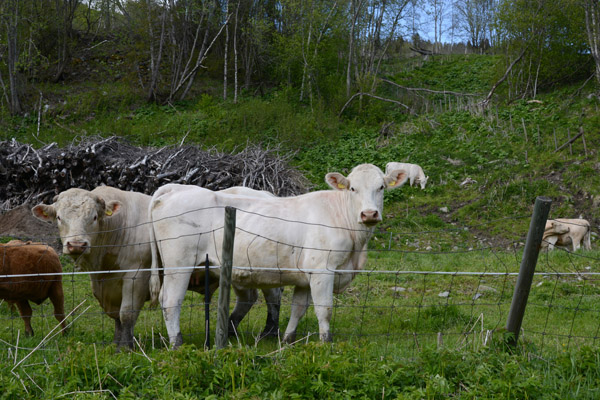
(131, 304)
(575, 243)
(321, 288)
(171, 298)
(245, 299)
(58, 301)
(551, 242)
(273, 300)
(118, 330)
(300, 301)
(25, 311)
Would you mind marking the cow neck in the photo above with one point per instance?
(359, 233)
(105, 251)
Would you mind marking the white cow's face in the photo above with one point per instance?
(78, 214)
(365, 186)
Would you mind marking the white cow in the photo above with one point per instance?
(564, 232)
(272, 295)
(106, 229)
(298, 241)
(415, 172)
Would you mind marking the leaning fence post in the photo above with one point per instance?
(528, 262)
(225, 279)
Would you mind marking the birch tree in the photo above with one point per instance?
(592, 25)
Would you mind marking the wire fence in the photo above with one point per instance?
(444, 287)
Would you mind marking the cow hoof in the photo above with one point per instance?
(272, 332)
(177, 342)
(326, 337)
(289, 338)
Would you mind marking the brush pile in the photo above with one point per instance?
(29, 175)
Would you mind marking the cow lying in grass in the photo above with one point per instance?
(564, 232)
(22, 258)
(415, 172)
(304, 241)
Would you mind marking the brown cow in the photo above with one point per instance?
(17, 258)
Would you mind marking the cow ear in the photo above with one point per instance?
(112, 208)
(337, 181)
(44, 212)
(395, 178)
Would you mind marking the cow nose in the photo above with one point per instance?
(77, 247)
(370, 216)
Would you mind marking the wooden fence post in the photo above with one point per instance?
(222, 330)
(528, 263)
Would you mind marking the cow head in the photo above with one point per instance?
(78, 214)
(423, 182)
(365, 186)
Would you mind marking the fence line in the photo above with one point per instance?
(428, 305)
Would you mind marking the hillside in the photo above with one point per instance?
(483, 165)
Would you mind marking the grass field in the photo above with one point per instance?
(410, 328)
(411, 313)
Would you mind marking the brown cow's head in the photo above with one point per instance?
(78, 214)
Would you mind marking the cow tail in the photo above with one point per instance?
(587, 240)
(154, 276)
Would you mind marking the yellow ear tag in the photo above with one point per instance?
(341, 186)
(393, 183)
(44, 213)
(109, 212)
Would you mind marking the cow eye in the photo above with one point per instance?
(352, 189)
(382, 187)
(95, 217)
(58, 218)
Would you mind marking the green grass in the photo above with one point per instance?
(409, 343)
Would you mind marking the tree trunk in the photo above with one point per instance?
(226, 48)
(235, 55)
(592, 24)
(12, 20)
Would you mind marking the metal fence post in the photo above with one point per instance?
(528, 263)
(222, 330)
(207, 304)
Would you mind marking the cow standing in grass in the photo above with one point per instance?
(107, 229)
(414, 171)
(25, 258)
(306, 241)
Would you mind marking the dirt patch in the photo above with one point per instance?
(21, 224)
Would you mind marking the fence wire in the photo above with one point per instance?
(417, 289)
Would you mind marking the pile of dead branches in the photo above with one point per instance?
(29, 175)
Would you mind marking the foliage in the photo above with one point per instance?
(552, 35)
(312, 371)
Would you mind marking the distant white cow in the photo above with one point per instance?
(415, 172)
(107, 230)
(564, 232)
(299, 241)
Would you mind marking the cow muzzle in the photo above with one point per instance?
(370, 217)
(76, 247)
